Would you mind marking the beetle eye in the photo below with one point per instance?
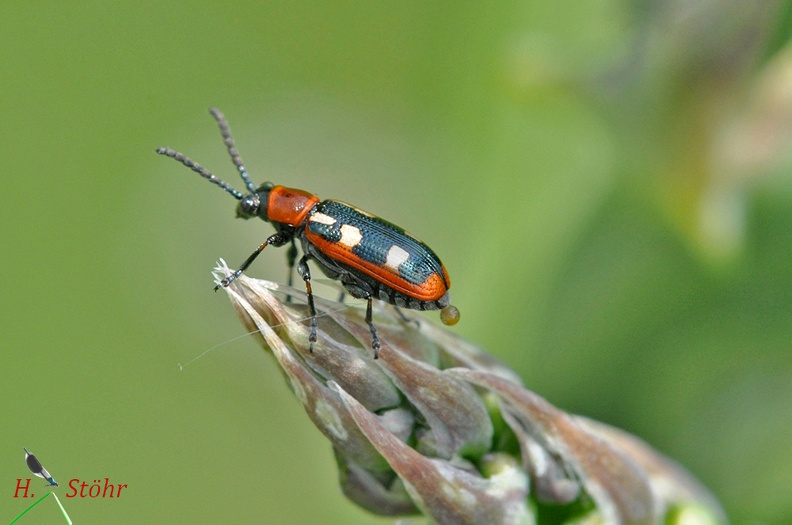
(248, 206)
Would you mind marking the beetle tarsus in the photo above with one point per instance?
(226, 281)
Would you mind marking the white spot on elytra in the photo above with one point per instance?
(396, 256)
(350, 236)
(321, 218)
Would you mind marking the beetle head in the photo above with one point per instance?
(255, 204)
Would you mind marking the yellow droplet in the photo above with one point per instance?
(449, 315)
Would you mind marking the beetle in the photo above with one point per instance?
(371, 257)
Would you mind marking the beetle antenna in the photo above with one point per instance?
(232, 149)
(200, 170)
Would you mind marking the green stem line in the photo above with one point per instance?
(42, 498)
(65, 515)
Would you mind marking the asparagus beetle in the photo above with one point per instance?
(373, 258)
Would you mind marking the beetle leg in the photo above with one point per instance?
(291, 257)
(276, 238)
(405, 319)
(375, 342)
(305, 273)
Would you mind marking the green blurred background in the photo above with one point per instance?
(607, 182)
